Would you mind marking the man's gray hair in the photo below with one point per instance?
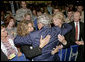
(44, 19)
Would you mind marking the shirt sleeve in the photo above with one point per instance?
(26, 40)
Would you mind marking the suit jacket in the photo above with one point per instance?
(70, 37)
(34, 38)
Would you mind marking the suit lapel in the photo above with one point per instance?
(73, 29)
(80, 30)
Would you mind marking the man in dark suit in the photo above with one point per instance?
(76, 35)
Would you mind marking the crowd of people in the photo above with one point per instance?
(37, 34)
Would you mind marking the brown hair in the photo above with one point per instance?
(8, 20)
(22, 28)
(28, 21)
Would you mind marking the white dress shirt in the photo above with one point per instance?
(78, 29)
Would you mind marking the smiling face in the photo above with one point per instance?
(58, 19)
(11, 23)
(30, 27)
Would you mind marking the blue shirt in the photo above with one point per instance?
(34, 39)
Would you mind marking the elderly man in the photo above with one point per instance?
(77, 35)
(44, 29)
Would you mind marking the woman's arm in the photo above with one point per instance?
(67, 27)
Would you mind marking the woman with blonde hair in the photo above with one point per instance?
(58, 20)
(25, 27)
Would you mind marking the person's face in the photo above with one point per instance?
(11, 23)
(67, 8)
(39, 13)
(40, 25)
(56, 10)
(80, 8)
(34, 12)
(28, 17)
(57, 22)
(69, 14)
(3, 32)
(76, 16)
(23, 4)
(30, 27)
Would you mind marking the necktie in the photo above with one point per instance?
(76, 35)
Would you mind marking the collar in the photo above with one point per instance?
(75, 22)
(45, 27)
